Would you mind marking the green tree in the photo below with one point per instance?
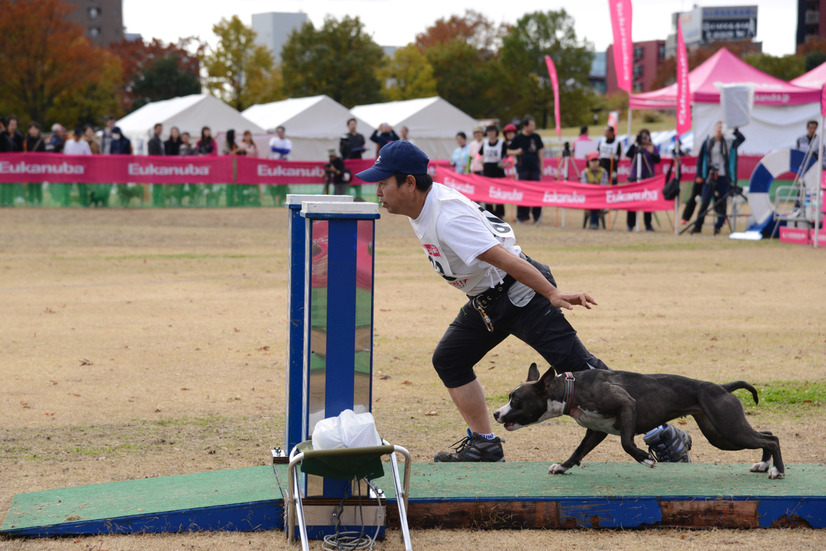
(164, 79)
(155, 71)
(466, 77)
(410, 74)
(814, 59)
(523, 53)
(339, 60)
(784, 67)
(239, 71)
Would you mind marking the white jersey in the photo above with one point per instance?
(280, 143)
(454, 231)
(492, 153)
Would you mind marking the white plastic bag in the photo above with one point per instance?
(348, 430)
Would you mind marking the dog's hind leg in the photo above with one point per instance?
(589, 442)
(724, 423)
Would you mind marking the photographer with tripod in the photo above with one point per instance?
(645, 155)
(717, 166)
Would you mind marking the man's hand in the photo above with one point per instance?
(569, 300)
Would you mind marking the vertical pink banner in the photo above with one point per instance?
(683, 90)
(623, 47)
(555, 84)
(823, 101)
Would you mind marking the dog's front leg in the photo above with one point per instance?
(628, 425)
(589, 442)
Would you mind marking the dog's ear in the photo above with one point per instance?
(533, 373)
(547, 377)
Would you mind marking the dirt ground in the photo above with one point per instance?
(142, 343)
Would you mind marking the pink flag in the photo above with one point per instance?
(623, 47)
(683, 91)
(823, 101)
(555, 83)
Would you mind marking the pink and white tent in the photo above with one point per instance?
(780, 109)
(815, 78)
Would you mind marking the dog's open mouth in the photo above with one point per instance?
(510, 426)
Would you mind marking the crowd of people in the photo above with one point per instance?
(488, 154)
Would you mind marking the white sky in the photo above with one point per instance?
(396, 22)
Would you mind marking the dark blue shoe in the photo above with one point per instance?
(668, 444)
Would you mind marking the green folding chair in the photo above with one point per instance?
(344, 464)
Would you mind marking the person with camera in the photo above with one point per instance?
(645, 155)
(718, 167)
(335, 171)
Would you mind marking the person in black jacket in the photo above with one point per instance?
(34, 144)
(12, 140)
(645, 155)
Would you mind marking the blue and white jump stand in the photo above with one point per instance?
(330, 350)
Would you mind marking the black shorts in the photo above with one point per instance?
(538, 324)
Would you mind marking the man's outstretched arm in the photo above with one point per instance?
(525, 273)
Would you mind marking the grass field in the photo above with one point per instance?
(140, 343)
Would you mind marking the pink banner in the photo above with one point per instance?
(823, 101)
(122, 169)
(119, 169)
(643, 196)
(623, 47)
(555, 84)
(683, 90)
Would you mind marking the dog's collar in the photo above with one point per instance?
(569, 392)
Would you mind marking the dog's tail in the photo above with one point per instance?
(736, 385)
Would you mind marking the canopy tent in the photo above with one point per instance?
(188, 113)
(815, 78)
(780, 109)
(432, 122)
(313, 125)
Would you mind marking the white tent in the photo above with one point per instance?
(188, 113)
(432, 122)
(313, 125)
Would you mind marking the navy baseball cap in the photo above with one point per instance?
(397, 157)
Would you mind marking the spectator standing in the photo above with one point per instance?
(231, 148)
(594, 174)
(335, 173)
(280, 148)
(493, 156)
(528, 146)
(89, 136)
(717, 166)
(105, 190)
(34, 144)
(77, 146)
(404, 135)
(187, 148)
(585, 140)
(4, 142)
(474, 150)
(13, 139)
(57, 139)
(98, 193)
(809, 141)
(121, 145)
(174, 193)
(610, 153)
(696, 190)
(459, 159)
(352, 144)
(172, 145)
(206, 146)
(156, 147)
(382, 136)
(645, 155)
(106, 136)
(248, 145)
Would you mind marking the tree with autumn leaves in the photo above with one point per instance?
(50, 71)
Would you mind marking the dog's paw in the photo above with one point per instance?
(648, 463)
(774, 473)
(761, 467)
(556, 468)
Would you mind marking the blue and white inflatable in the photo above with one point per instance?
(770, 167)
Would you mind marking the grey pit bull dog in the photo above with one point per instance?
(625, 403)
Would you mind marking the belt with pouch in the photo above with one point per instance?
(483, 300)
